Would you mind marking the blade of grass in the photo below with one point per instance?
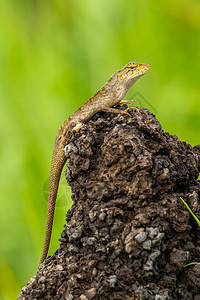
(193, 263)
(196, 219)
(198, 222)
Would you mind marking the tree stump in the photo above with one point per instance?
(128, 235)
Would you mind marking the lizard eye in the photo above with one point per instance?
(132, 68)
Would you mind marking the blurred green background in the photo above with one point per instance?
(54, 55)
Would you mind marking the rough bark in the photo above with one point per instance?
(129, 234)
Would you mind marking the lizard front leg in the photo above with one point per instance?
(113, 110)
(128, 101)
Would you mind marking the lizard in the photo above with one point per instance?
(111, 94)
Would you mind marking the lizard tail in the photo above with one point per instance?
(57, 164)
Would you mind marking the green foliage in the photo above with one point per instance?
(54, 55)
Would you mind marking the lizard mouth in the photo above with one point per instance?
(143, 67)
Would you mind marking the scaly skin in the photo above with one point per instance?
(108, 96)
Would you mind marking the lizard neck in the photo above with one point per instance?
(117, 87)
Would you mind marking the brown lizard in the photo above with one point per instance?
(108, 96)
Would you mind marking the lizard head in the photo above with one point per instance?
(123, 79)
(132, 71)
